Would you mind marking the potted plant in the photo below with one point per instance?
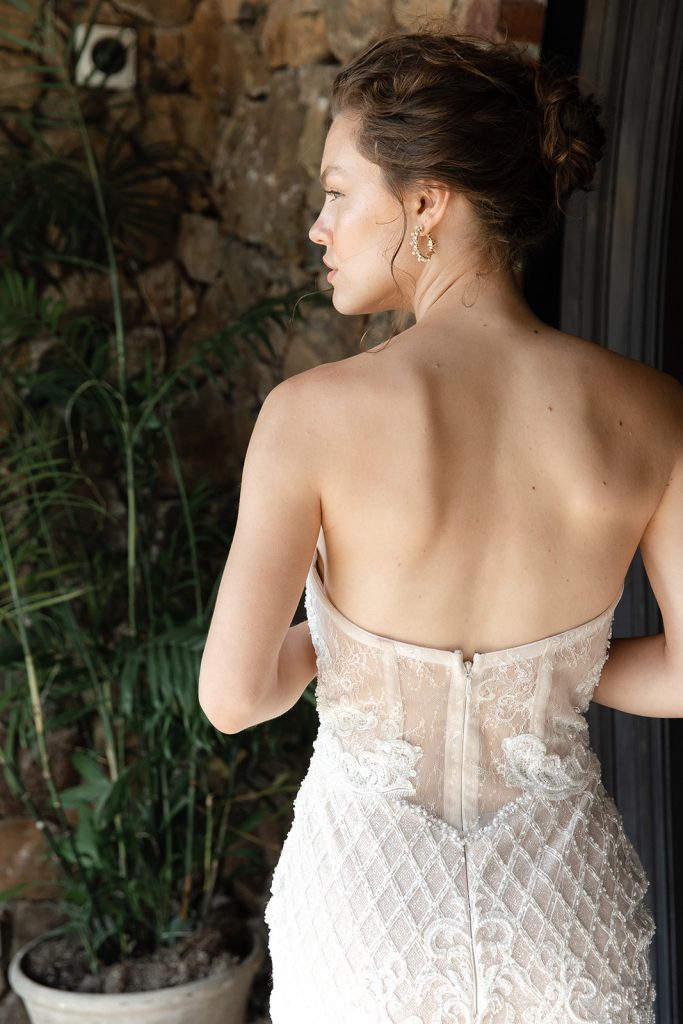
(102, 624)
(104, 551)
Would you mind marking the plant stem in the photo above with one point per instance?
(208, 836)
(189, 835)
(177, 470)
(36, 705)
(220, 840)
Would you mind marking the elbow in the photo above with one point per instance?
(226, 719)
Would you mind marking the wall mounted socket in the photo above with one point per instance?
(108, 58)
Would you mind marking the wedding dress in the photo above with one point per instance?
(454, 857)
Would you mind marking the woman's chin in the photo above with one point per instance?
(350, 306)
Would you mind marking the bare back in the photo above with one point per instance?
(480, 496)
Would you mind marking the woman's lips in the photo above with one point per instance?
(331, 274)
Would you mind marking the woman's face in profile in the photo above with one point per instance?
(360, 226)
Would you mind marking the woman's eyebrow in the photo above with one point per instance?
(327, 170)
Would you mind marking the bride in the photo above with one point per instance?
(462, 503)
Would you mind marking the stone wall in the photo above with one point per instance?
(244, 86)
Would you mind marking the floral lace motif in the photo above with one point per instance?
(528, 765)
(386, 767)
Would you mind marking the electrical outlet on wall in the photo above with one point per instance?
(108, 57)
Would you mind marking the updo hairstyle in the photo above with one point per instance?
(480, 118)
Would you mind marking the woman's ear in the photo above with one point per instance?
(431, 203)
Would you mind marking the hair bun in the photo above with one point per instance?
(572, 137)
(514, 135)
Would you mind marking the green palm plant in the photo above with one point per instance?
(104, 568)
(84, 641)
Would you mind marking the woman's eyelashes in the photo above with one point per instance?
(331, 192)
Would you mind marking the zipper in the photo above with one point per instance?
(468, 695)
(465, 703)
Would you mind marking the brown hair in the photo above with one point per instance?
(515, 136)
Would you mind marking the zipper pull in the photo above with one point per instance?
(468, 671)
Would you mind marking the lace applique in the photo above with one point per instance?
(345, 718)
(386, 767)
(528, 764)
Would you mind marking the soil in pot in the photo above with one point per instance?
(222, 941)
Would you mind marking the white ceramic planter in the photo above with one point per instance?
(216, 1000)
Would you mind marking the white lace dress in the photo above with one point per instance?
(454, 857)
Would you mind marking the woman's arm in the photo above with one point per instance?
(278, 524)
(639, 677)
(644, 675)
(296, 668)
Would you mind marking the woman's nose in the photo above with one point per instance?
(317, 232)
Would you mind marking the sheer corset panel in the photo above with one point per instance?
(464, 740)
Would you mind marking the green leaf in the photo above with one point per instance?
(85, 837)
(25, 44)
(83, 795)
(87, 769)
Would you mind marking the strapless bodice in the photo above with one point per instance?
(464, 740)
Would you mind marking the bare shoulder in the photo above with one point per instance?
(319, 387)
(666, 395)
(619, 362)
(336, 381)
(316, 401)
(646, 385)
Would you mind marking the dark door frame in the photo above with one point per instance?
(613, 254)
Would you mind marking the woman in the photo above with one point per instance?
(456, 500)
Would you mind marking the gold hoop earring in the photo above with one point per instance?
(414, 247)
